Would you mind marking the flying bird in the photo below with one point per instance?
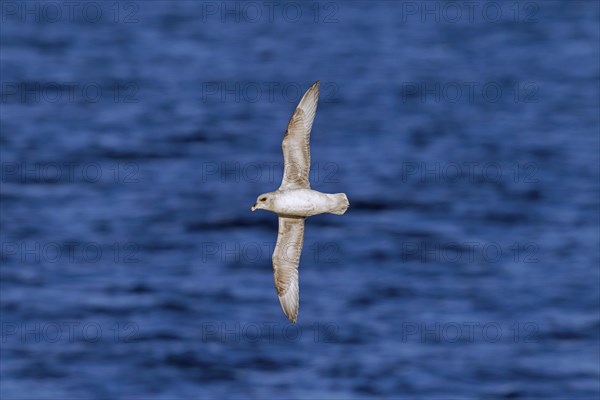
(294, 201)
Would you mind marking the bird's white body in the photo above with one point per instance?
(308, 202)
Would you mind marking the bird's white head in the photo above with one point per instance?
(264, 202)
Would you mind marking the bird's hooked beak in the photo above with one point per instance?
(253, 208)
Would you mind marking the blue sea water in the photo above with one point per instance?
(135, 136)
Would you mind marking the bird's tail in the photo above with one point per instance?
(341, 203)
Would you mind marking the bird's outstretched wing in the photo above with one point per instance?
(286, 258)
(296, 142)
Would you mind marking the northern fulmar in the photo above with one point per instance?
(294, 201)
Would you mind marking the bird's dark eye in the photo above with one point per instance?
(262, 199)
